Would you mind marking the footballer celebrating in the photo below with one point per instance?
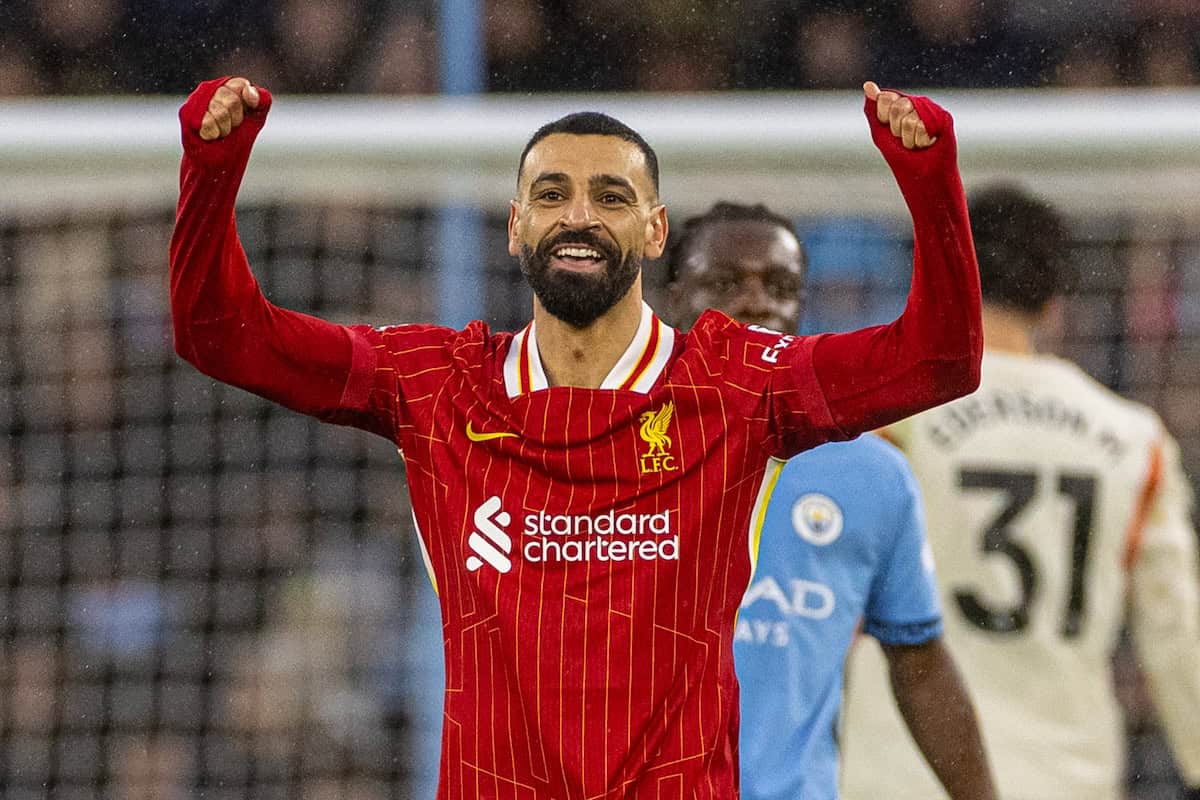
(587, 490)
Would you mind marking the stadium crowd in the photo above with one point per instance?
(391, 47)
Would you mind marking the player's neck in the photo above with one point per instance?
(583, 357)
(1008, 331)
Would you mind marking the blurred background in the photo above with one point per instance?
(149, 46)
(202, 595)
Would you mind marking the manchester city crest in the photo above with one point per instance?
(817, 519)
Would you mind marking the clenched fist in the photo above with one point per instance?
(227, 108)
(898, 113)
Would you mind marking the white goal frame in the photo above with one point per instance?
(802, 153)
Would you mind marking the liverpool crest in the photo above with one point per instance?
(658, 456)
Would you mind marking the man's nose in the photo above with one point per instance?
(752, 294)
(579, 214)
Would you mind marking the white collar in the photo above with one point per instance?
(636, 370)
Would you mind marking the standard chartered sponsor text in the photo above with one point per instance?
(607, 536)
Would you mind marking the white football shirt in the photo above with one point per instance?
(1053, 505)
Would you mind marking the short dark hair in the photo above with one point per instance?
(722, 212)
(593, 123)
(1021, 242)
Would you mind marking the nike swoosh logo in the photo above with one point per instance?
(475, 436)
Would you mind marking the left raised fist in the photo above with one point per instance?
(897, 111)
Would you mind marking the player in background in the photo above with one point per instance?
(842, 541)
(1056, 510)
(586, 490)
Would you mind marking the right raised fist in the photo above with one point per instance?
(227, 108)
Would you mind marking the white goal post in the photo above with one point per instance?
(1093, 152)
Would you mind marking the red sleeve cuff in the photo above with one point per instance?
(191, 117)
(938, 123)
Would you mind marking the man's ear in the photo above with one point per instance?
(656, 232)
(514, 244)
(1049, 323)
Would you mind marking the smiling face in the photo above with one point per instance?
(752, 270)
(585, 216)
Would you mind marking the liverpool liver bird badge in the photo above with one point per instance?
(658, 456)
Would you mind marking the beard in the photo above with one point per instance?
(577, 298)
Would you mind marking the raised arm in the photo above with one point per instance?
(223, 324)
(931, 353)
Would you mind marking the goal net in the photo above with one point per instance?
(202, 594)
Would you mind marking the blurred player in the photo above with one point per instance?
(1053, 506)
(842, 540)
(586, 489)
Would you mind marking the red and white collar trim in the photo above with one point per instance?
(636, 370)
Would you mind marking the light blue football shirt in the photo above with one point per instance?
(843, 539)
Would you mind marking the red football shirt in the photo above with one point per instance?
(590, 547)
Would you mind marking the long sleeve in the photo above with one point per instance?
(1165, 612)
(931, 353)
(222, 323)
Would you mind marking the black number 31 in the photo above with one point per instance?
(1020, 488)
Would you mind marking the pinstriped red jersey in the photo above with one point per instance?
(589, 546)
